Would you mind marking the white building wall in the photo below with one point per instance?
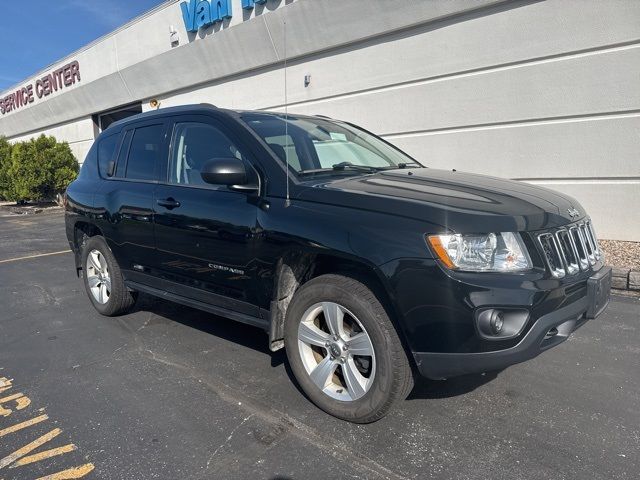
(79, 134)
(546, 92)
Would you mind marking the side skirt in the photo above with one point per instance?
(223, 312)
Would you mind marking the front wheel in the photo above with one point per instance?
(344, 350)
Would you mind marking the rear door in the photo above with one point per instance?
(128, 195)
(205, 234)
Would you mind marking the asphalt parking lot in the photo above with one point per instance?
(169, 392)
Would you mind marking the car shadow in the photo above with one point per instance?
(256, 339)
(236, 332)
(453, 387)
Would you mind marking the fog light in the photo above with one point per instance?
(496, 322)
(501, 323)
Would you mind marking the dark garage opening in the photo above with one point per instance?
(103, 120)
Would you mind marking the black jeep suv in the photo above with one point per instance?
(361, 262)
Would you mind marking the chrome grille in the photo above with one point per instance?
(569, 253)
(569, 250)
(552, 254)
(578, 242)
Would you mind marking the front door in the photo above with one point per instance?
(205, 233)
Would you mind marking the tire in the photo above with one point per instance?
(384, 377)
(119, 299)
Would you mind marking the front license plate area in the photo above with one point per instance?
(598, 292)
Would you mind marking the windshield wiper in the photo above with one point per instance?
(366, 168)
(352, 166)
(342, 166)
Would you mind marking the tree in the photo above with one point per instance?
(5, 159)
(39, 169)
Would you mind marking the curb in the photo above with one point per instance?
(626, 279)
(29, 210)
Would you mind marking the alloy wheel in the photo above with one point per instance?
(336, 351)
(98, 277)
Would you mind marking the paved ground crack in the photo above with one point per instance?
(304, 432)
(244, 420)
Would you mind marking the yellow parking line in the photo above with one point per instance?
(77, 472)
(36, 457)
(20, 426)
(9, 459)
(22, 402)
(34, 256)
(27, 455)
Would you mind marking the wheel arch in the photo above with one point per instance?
(82, 231)
(296, 268)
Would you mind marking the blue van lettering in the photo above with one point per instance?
(201, 14)
(249, 4)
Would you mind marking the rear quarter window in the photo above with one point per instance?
(106, 153)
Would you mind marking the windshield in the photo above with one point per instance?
(318, 145)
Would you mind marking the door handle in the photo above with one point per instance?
(168, 203)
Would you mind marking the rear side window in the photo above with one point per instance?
(145, 153)
(106, 152)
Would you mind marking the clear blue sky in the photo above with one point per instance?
(32, 38)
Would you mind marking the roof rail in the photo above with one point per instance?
(323, 116)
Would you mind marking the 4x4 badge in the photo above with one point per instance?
(573, 212)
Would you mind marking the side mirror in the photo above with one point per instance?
(224, 171)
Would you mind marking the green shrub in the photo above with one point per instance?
(39, 169)
(5, 158)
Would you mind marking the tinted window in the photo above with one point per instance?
(106, 151)
(193, 145)
(145, 153)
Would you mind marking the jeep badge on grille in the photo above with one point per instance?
(573, 212)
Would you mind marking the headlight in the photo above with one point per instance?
(491, 252)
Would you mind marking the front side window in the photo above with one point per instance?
(312, 144)
(194, 144)
(145, 153)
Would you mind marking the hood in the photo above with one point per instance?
(454, 201)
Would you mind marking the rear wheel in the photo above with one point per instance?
(344, 350)
(103, 280)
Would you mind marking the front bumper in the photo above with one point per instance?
(548, 331)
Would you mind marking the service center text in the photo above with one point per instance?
(52, 82)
